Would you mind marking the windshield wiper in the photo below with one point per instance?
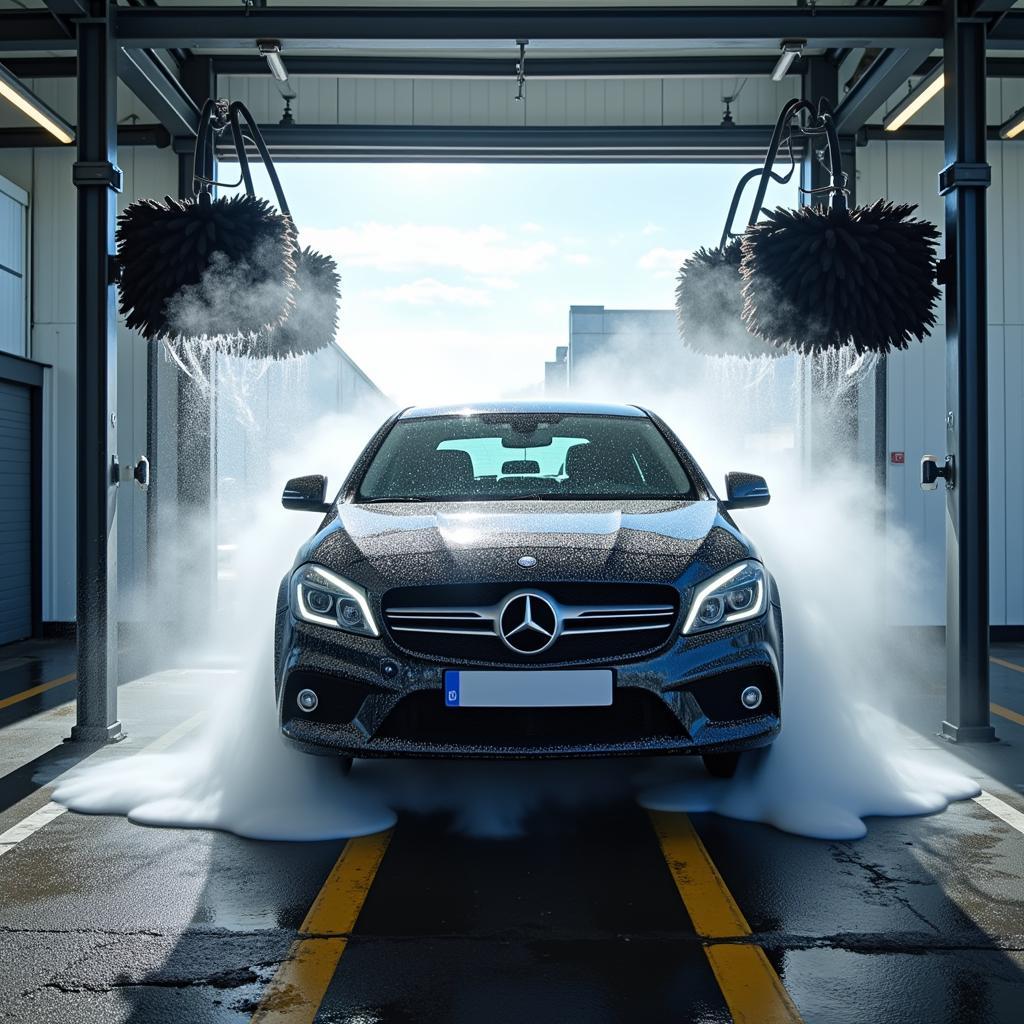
(390, 501)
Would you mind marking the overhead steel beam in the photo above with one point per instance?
(156, 86)
(696, 27)
(127, 135)
(98, 181)
(33, 30)
(995, 67)
(486, 142)
(964, 182)
(915, 133)
(42, 67)
(491, 67)
(498, 67)
(888, 72)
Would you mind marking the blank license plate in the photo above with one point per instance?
(584, 688)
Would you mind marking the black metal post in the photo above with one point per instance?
(98, 179)
(963, 183)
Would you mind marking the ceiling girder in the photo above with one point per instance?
(888, 72)
(156, 87)
(696, 27)
(498, 67)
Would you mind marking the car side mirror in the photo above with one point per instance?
(745, 490)
(306, 494)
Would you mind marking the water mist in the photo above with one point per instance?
(839, 758)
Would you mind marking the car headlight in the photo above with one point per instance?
(738, 593)
(320, 596)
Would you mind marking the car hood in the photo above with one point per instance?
(448, 542)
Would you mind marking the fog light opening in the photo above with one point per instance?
(750, 698)
(308, 700)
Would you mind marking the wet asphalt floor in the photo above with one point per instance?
(600, 914)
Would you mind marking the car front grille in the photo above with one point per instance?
(571, 622)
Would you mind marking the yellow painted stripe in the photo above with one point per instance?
(36, 690)
(1007, 664)
(296, 991)
(749, 984)
(1013, 716)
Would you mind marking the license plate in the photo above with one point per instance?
(584, 688)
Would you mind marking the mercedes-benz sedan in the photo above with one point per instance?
(528, 580)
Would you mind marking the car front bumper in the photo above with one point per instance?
(378, 701)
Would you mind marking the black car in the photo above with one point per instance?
(528, 580)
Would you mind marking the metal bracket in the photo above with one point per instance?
(963, 175)
(931, 474)
(87, 173)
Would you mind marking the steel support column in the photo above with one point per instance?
(98, 180)
(963, 182)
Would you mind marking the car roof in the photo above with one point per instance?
(540, 406)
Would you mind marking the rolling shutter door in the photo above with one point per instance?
(15, 512)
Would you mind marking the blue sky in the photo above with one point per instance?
(462, 274)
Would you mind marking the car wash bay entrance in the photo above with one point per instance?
(602, 912)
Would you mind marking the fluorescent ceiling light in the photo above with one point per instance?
(791, 49)
(927, 89)
(1011, 128)
(271, 49)
(15, 92)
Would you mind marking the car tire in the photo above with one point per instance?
(721, 766)
(345, 764)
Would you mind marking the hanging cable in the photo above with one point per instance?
(521, 70)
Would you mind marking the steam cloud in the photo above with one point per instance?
(840, 758)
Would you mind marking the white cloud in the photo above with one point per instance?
(651, 229)
(577, 259)
(662, 259)
(498, 284)
(427, 291)
(530, 227)
(483, 250)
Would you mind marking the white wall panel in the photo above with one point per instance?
(147, 172)
(55, 344)
(428, 101)
(1012, 469)
(916, 405)
(13, 269)
(54, 216)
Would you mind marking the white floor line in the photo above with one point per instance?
(991, 803)
(29, 826)
(48, 812)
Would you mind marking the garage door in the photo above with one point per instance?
(15, 512)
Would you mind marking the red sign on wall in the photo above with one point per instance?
(897, 458)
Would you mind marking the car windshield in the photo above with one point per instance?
(502, 456)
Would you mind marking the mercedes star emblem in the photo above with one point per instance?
(528, 623)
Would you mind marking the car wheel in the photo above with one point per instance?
(721, 766)
(345, 764)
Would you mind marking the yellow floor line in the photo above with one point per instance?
(36, 690)
(1013, 716)
(1007, 664)
(296, 991)
(752, 990)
